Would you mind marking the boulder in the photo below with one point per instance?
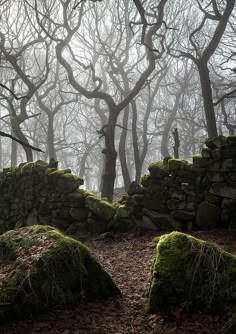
(190, 274)
(208, 215)
(41, 269)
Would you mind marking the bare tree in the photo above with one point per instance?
(202, 51)
(148, 34)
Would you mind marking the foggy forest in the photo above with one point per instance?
(117, 126)
(101, 86)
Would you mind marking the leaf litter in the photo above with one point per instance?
(128, 259)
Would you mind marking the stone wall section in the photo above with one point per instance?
(40, 193)
(175, 195)
(180, 195)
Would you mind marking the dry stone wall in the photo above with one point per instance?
(175, 195)
(180, 195)
(40, 193)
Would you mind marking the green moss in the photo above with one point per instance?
(215, 142)
(156, 164)
(40, 268)
(102, 209)
(123, 200)
(191, 274)
(145, 180)
(158, 169)
(177, 164)
(59, 172)
(166, 160)
(40, 165)
(27, 168)
(197, 156)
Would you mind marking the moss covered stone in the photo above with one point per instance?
(102, 209)
(40, 268)
(158, 169)
(135, 188)
(216, 142)
(177, 164)
(145, 180)
(199, 161)
(190, 274)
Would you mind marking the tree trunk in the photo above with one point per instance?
(1, 164)
(51, 147)
(108, 178)
(16, 129)
(13, 153)
(122, 149)
(176, 143)
(137, 162)
(165, 135)
(229, 126)
(207, 98)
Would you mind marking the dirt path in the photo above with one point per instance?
(128, 260)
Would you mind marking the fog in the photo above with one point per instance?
(102, 86)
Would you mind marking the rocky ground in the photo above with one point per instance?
(128, 259)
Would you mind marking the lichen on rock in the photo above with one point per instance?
(190, 274)
(40, 268)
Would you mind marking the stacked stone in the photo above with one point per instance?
(34, 193)
(39, 193)
(167, 198)
(181, 195)
(219, 205)
(173, 191)
(129, 207)
(175, 195)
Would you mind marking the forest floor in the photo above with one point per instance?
(128, 259)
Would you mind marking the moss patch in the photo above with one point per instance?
(101, 208)
(40, 268)
(158, 169)
(191, 274)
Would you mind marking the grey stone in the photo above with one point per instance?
(208, 216)
(135, 188)
(147, 224)
(183, 215)
(223, 190)
(79, 214)
(102, 209)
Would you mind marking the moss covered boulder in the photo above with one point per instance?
(40, 268)
(190, 274)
